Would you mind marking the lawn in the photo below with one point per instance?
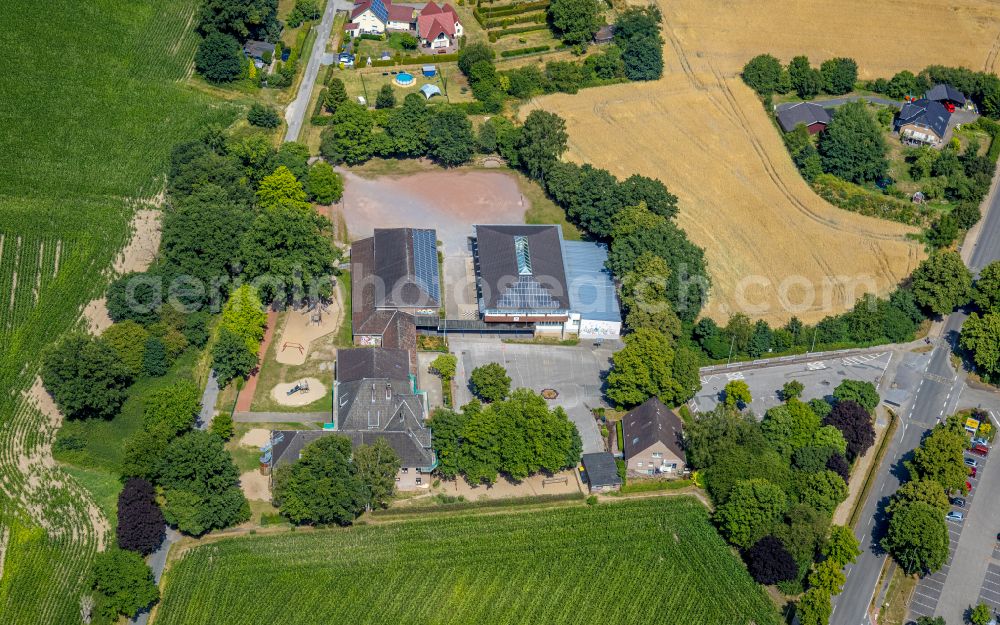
(273, 372)
(625, 562)
(93, 101)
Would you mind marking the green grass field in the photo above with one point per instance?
(654, 560)
(92, 101)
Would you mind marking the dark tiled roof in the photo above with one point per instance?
(520, 268)
(396, 268)
(256, 49)
(650, 423)
(926, 113)
(802, 113)
(372, 362)
(941, 93)
(410, 451)
(601, 469)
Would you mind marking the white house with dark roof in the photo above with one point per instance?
(653, 438)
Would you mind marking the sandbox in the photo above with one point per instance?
(315, 392)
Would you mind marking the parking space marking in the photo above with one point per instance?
(735, 376)
(816, 366)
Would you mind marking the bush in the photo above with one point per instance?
(524, 51)
(762, 73)
(263, 116)
(858, 199)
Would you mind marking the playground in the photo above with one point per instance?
(299, 393)
(301, 327)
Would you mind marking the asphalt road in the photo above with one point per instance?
(829, 102)
(296, 112)
(937, 395)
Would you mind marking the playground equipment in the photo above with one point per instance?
(293, 345)
(302, 385)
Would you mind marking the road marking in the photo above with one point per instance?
(734, 376)
(816, 366)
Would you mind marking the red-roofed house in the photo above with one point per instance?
(438, 26)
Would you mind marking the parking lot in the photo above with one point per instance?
(928, 592)
(576, 373)
(927, 598)
(820, 377)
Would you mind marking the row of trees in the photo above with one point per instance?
(330, 484)
(776, 483)
(981, 331)
(517, 437)
(765, 75)
(918, 534)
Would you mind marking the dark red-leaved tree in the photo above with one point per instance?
(769, 561)
(855, 424)
(140, 522)
(838, 464)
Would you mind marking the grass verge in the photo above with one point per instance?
(873, 470)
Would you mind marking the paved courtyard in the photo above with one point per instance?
(820, 377)
(575, 372)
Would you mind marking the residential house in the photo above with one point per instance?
(375, 397)
(261, 52)
(652, 435)
(438, 26)
(813, 116)
(922, 122)
(605, 34)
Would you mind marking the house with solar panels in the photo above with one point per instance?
(394, 278)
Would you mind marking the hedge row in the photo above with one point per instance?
(860, 200)
(508, 11)
(523, 51)
(496, 34)
(993, 128)
(423, 59)
(534, 18)
(321, 120)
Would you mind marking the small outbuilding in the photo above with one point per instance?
(605, 34)
(429, 71)
(602, 472)
(813, 116)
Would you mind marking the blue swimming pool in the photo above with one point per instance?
(404, 79)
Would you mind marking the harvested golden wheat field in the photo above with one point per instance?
(774, 248)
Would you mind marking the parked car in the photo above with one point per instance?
(980, 441)
(968, 486)
(971, 462)
(980, 450)
(958, 502)
(955, 516)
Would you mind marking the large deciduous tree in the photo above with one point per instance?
(841, 545)
(852, 147)
(124, 581)
(750, 513)
(490, 382)
(839, 75)
(762, 73)
(449, 137)
(917, 538)
(219, 58)
(541, 141)
(940, 457)
(942, 282)
(987, 291)
(128, 340)
(377, 465)
(981, 336)
(141, 525)
(769, 562)
(349, 139)
(642, 369)
(201, 484)
(860, 392)
(231, 358)
(85, 377)
(855, 423)
(325, 185)
(575, 21)
(244, 316)
(322, 486)
(637, 33)
(173, 409)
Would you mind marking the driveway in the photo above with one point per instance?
(834, 102)
(295, 114)
(575, 372)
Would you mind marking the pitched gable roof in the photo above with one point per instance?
(434, 20)
(650, 423)
(942, 93)
(806, 113)
(372, 362)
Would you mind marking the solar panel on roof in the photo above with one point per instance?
(425, 263)
(378, 8)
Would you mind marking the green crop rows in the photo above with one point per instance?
(654, 560)
(92, 98)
